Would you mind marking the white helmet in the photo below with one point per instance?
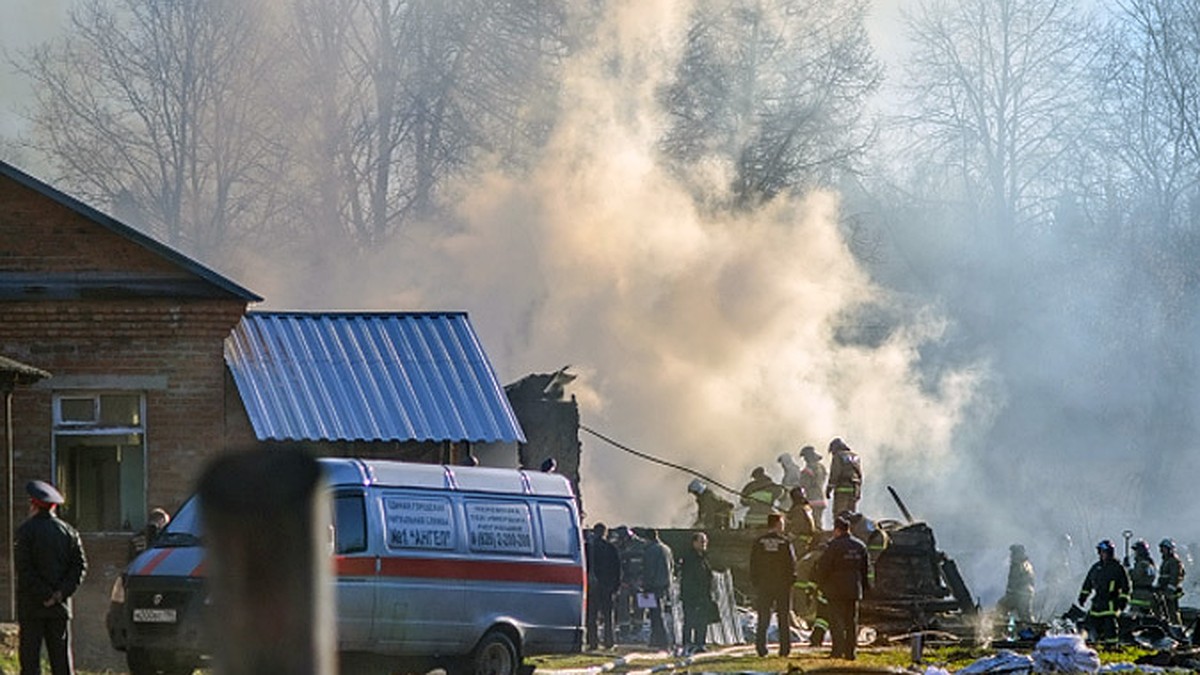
(697, 486)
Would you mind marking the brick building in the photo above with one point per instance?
(141, 381)
(132, 333)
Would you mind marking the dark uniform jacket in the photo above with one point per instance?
(1110, 582)
(49, 557)
(841, 572)
(695, 577)
(604, 566)
(772, 563)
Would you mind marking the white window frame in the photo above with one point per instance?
(70, 428)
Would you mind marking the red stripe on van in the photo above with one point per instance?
(355, 567)
(474, 570)
(155, 561)
(198, 570)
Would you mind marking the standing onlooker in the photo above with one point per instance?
(656, 580)
(145, 537)
(604, 577)
(772, 572)
(50, 566)
(842, 576)
(845, 478)
(1170, 580)
(632, 551)
(813, 478)
(695, 593)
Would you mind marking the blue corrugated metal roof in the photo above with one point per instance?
(411, 376)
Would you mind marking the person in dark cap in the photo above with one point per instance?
(50, 566)
(604, 578)
(842, 575)
(772, 573)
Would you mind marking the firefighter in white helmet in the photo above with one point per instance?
(712, 512)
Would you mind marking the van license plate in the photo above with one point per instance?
(154, 615)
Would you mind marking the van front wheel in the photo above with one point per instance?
(496, 654)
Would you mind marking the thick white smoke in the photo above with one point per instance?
(707, 340)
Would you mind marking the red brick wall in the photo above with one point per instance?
(38, 235)
(174, 344)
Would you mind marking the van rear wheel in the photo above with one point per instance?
(496, 654)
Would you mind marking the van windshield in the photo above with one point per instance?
(184, 529)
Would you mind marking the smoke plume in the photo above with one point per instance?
(712, 340)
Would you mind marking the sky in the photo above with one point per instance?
(23, 23)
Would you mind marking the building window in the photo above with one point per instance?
(100, 459)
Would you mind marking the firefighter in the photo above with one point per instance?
(810, 605)
(760, 497)
(1018, 593)
(791, 472)
(1142, 575)
(1108, 584)
(799, 521)
(1170, 581)
(712, 512)
(845, 478)
(813, 478)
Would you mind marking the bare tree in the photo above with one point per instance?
(410, 92)
(999, 91)
(1150, 116)
(773, 89)
(155, 109)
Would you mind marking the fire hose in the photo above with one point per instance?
(656, 460)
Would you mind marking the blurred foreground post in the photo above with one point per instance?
(266, 520)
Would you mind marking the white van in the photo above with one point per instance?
(474, 567)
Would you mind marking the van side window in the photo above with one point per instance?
(559, 536)
(350, 524)
(418, 522)
(499, 526)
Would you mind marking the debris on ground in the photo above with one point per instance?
(1067, 653)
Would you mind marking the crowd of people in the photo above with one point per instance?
(1135, 588)
(795, 564)
(798, 569)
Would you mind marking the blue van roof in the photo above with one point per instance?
(386, 473)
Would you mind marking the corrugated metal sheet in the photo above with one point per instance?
(413, 376)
